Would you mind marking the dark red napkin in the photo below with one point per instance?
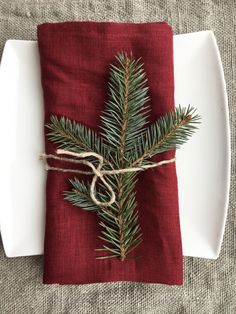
(75, 59)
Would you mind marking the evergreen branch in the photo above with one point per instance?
(75, 137)
(125, 114)
(80, 195)
(120, 220)
(167, 133)
(122, 122)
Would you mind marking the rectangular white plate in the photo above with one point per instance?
(203, 164)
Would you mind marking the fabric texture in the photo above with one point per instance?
(209, 286)
(75, 59)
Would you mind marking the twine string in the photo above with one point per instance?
(97, 172)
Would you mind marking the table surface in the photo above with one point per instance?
(209, 286)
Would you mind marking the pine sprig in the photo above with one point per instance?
(125, 217)
(80, 195)
(123, 121)
(76, 137)
(167, 133)
(109, 219)
(125, 141)
(126, 111)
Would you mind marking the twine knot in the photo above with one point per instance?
(97, 172)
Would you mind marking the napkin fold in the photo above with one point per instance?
(75, 59)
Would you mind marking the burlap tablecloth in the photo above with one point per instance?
(209, 286)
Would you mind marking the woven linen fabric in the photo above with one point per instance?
(209, 286)
(75, 58)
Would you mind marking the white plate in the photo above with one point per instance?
(21, 136)
(203, 164)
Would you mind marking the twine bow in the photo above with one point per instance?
(97, 172)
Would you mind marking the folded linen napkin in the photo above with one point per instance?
(75, 59)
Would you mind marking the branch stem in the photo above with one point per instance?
(121, 153)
